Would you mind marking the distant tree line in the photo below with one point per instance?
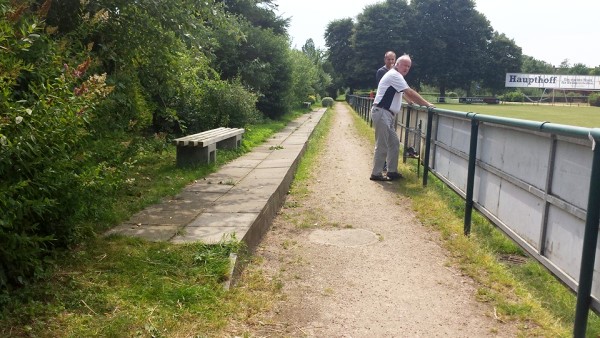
(453, 46)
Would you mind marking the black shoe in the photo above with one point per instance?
(412, 153)
(394, 175)
(380, 178)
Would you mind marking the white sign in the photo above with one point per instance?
(582, 82)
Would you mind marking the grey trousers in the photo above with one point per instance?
(387, 144)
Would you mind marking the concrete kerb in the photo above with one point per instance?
(263, 221)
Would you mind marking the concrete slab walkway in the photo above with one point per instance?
(239, 200)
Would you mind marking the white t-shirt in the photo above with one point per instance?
(389, 91)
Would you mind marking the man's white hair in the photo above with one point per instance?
(403, 57)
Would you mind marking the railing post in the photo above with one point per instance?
(590, 238)
(427, 145)
(363, 105)
(406, 126)
(371, 100)
(368, 118)
(418, 148)
(471, 175)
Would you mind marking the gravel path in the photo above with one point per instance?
(353, 260)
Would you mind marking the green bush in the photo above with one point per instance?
(594, 99)
(327, 102)
(129, 108)
(515, 96)
(47, 174)
(219, 104)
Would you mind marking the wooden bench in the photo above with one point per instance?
(202, 148)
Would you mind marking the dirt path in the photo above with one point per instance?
(362, 266)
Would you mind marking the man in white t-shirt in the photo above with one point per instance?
(387, 103)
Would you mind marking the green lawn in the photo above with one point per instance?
(582, 116)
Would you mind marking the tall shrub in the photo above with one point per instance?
(46, 102)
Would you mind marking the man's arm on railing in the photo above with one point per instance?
(413, 97)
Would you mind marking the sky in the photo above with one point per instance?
(547, 30)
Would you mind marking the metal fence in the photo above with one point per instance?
(538, 182)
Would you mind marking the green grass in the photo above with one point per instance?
(313, 148)
(125, 287)
(304, 172)
(582, 116)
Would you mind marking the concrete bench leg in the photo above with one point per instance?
(194, 156)
(230, 143)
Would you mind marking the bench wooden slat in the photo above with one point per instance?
(208, 137)
(198, 136)
(202, 147)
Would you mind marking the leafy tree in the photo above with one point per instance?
(504, 56)
(275, 94)
(304, 76)
(450, 42)
(260, 13)
(338, 38)
(260, 58)
(380, 28)
(317, 57)
(262, 63)
(331, 89)
(563, 68)
(533, 66)
(579, 69)
(313, 53)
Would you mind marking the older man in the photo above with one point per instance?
(387, 103)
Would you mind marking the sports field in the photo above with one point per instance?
(582, 116)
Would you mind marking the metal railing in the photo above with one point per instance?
(538, 182)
